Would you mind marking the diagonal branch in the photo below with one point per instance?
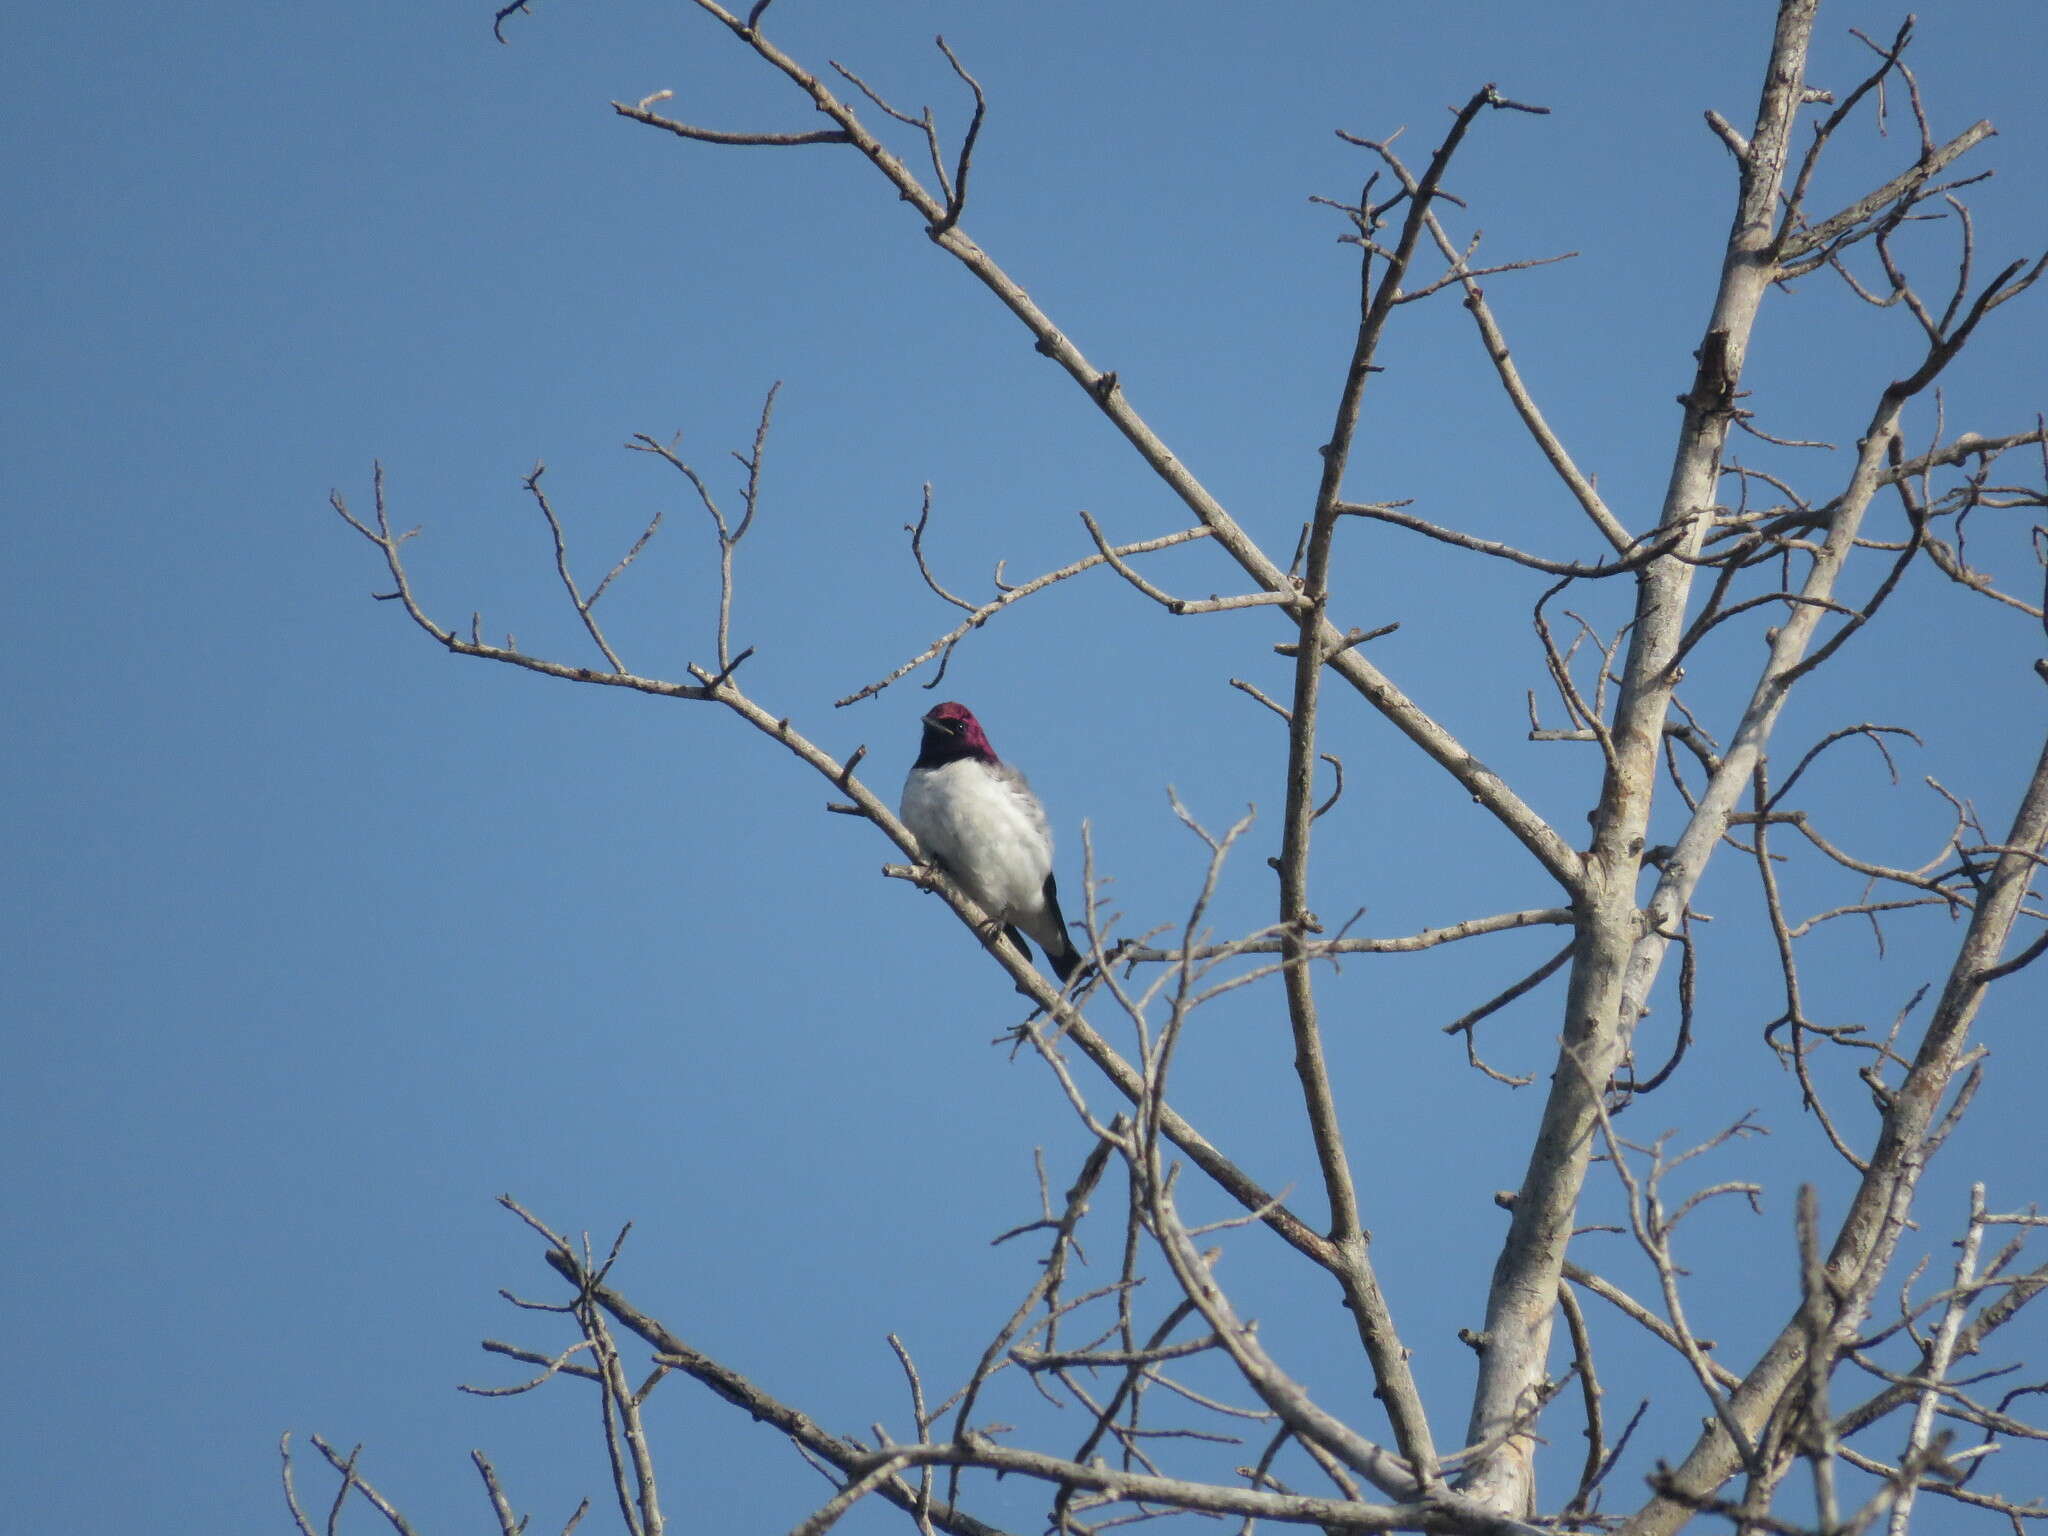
(941, 649)
(642, 114)
(1428, 938)
(1795, 243)
(1636, 553)
(389, 543)
(1486, 787)
(1581, 486)
(1601, 1001)
(1912, 1123)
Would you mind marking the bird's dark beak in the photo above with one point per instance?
(938, 722)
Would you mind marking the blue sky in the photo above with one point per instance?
(319, 939)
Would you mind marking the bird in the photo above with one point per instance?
(976, 818)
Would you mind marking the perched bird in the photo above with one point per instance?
(977, 819)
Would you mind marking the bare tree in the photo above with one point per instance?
(1864, 1393)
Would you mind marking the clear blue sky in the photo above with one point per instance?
(318, 939)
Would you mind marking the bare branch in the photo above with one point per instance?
(1940, 1354)
(942, 648)
(352, 1481)
(641, 114)
(956, 199)
(532, 484)
(1428, 938)
(291, 1496)
(1634, 1310)
(1796, 243)
(1590, 1393)
(1494, 1004)
(518, 7)
(1638, 553)
(1625, 904)
(1864, 1240)
(1487, 788)
(1609, 987)
(509, 1524)
(1179, 605)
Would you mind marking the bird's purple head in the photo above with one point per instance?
(950, 733)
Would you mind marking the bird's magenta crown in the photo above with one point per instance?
(950, 733)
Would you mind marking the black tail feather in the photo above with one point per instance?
(1068, 960)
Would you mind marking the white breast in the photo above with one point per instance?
(985, 828)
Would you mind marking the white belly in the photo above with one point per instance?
(988, 837)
